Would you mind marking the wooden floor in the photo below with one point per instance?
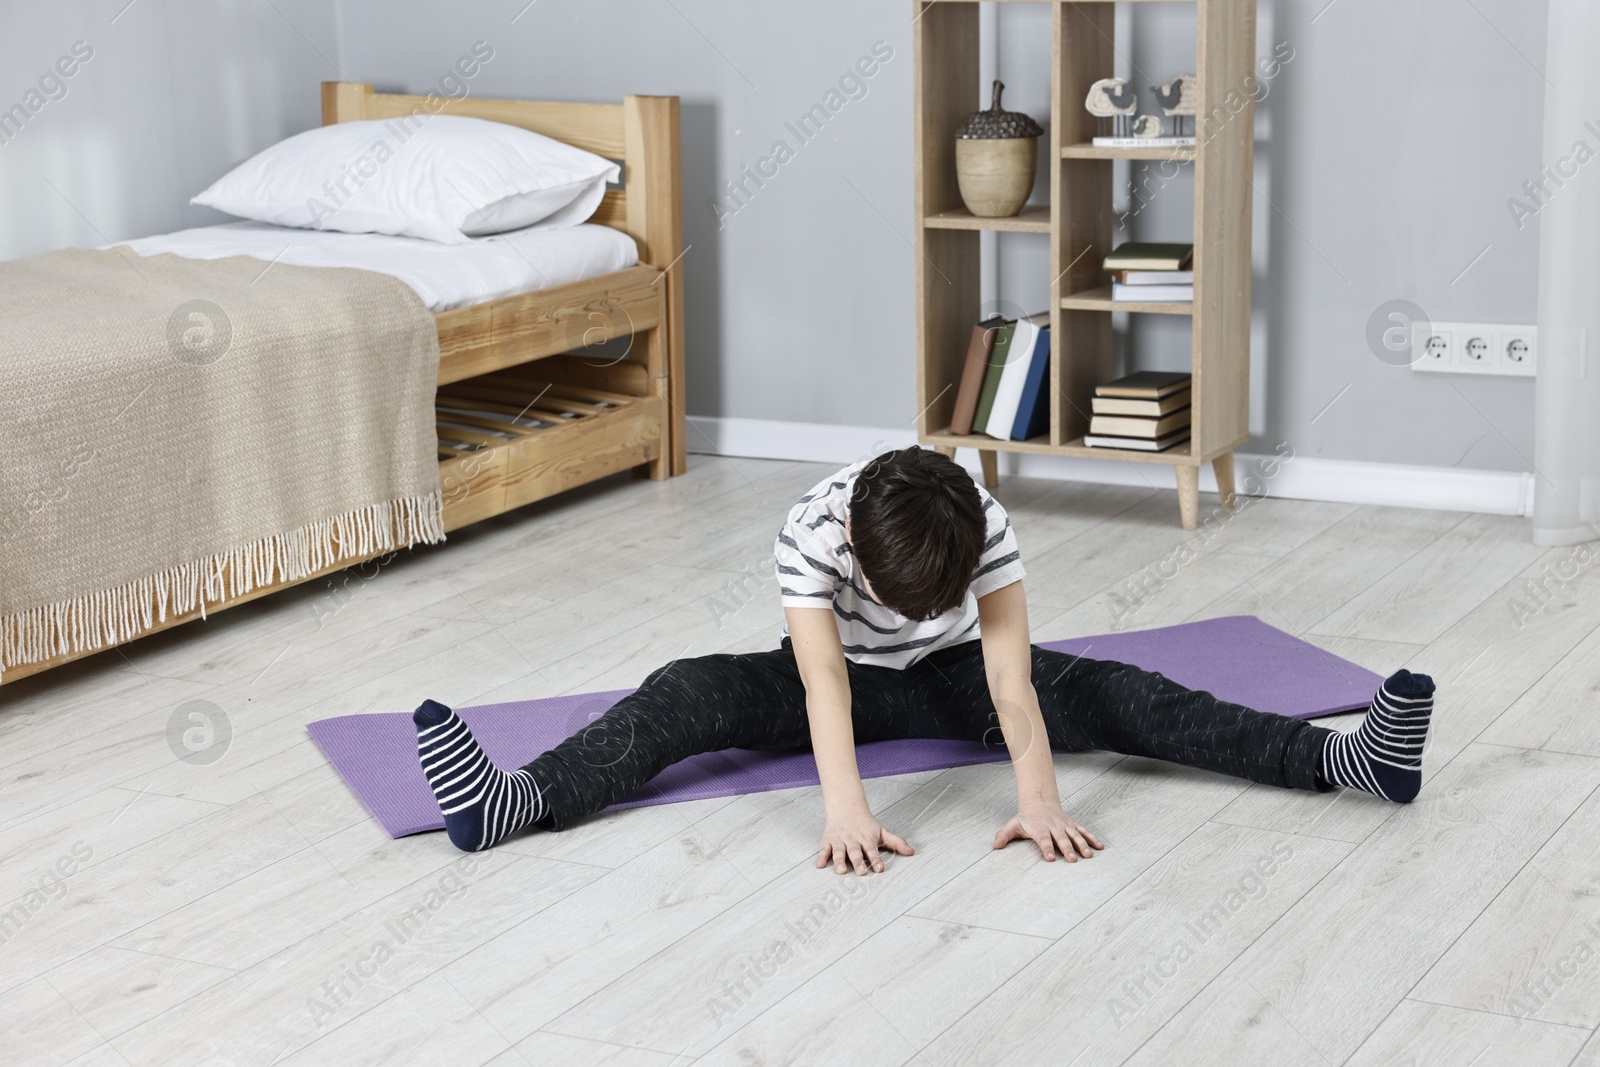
(238, 906)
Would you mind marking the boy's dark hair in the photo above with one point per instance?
(917, 529)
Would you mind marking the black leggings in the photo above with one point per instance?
(757, 701)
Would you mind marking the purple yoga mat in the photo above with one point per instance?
(1239, 658)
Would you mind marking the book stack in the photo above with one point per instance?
(1145, 412)
(1152, 273)
(1002, 390)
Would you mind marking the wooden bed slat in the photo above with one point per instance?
(510, 474)
(545, 409)
(488, 337)
(451, 433)
(485, 423)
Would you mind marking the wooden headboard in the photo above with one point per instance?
(641, 133)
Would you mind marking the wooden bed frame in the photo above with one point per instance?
(509, 355)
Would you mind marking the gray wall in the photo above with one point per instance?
(176, 93)
(1388, 147)
(1397, 134)
(799, 303)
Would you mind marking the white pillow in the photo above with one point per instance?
(440, 177)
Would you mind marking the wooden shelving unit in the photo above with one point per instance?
(1078, 223)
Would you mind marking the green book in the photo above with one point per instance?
(991, 377)
(1146, 255)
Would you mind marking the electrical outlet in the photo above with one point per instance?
(1436, 347)
(1515, 349)
(1476, 348)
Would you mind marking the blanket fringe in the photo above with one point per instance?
(113, 616)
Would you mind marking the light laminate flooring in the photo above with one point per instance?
(238, 905)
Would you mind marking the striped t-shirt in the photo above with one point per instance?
(817, 570)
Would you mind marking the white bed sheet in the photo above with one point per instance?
(445, 276)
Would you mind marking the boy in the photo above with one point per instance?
(905, 617)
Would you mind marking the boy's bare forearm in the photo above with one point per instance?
(833, 743)
(825, 675)
(1008, 664)
(1023, 728)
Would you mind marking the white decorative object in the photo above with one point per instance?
(1177, 99)
(1146, 127)
(1111, 101)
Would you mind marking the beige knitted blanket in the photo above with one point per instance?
(176, 432)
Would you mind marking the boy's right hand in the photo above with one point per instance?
(853, 840)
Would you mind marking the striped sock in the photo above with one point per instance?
(481, 803)
(1384, 755)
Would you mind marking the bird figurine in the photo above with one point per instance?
(1111, 100)
(1177, 100)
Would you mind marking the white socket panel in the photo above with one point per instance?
(1475, 348)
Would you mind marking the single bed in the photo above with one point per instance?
(519, 416)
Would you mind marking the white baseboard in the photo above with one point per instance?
(1303, 478)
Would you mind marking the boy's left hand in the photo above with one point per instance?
(1052, 829)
